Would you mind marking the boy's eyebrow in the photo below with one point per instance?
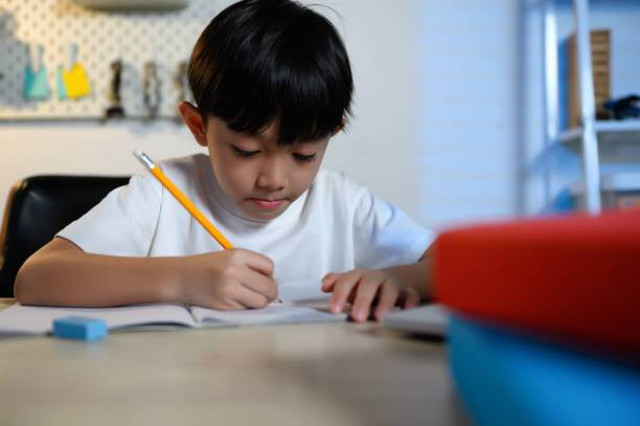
(263, 136)
(314, 142)
(260, 136)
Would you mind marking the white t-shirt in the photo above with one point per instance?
(335, 226)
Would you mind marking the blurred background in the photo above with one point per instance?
(465, 110)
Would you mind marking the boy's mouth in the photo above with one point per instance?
(266, 204)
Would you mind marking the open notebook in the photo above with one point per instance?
(300, 306)
(19, 319)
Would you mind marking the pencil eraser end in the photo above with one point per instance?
(80, 328)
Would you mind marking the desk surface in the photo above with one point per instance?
(309, 374)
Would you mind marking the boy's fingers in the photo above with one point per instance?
(365, 294)
(342, 289)
(249, 298)
(388, 297)
(329, 281)
(409, 298)
(260, 284)
(258, 262)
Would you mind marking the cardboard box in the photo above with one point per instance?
(601, 66)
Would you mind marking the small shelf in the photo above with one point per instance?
(134, 5)
(607, 131)
(97, 119)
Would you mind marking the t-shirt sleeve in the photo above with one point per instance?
(384, 235)
(123, 223)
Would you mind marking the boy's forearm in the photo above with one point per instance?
(82, 279)
(416, 275)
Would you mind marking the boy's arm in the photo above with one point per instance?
(62, 274)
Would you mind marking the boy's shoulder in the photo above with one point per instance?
(185, 165)
(186, 172)
(335, 185)
(335, 180)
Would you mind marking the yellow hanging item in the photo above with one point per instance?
(76, 81)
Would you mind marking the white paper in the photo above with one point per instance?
(302, 291)
(275, 313)
(18, 319)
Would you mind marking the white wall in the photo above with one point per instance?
(467, 110)
(432, 130)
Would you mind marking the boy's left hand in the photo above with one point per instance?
(363, 288)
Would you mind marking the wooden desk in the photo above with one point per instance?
(315, 374)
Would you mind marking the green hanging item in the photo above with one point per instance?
(36, 85)
(60, 87)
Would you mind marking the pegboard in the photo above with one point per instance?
(135, 37)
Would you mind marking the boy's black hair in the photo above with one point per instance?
(259, 60)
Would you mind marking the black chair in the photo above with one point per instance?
(40, 206)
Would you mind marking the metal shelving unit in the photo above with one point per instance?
(606, 131)
(590, 132)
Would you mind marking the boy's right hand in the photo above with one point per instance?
(229, 279)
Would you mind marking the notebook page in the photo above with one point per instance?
(18, 319)
(275, 313)
(302, 291)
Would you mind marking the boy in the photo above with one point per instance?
(272, 84)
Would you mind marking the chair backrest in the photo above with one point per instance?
(40, 206)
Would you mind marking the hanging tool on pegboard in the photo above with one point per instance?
(75, 81)
(36, 84)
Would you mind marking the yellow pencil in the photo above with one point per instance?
(182, 199)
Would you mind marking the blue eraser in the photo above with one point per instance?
(80, 328)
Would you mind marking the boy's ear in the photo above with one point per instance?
(194, 121)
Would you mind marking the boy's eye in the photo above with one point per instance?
(244, 153)
(304, 158)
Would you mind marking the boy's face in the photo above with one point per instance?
(260, 176)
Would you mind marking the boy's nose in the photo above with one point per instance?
(272, 177)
